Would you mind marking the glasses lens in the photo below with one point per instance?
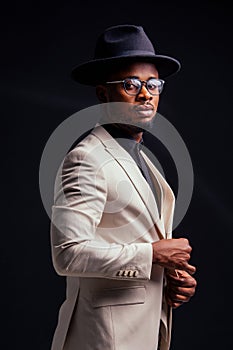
(155, 86)
(132, 86)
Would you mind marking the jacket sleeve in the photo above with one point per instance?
(79, 203)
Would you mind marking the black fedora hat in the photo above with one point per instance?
(121, 44)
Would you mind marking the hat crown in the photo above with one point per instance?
(123, 40)
(120, 45)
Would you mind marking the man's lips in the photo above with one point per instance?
(144, 110)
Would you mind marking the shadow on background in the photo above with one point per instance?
(41, 42)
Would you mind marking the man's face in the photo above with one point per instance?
(141, 108)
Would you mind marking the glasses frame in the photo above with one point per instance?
(142, 82)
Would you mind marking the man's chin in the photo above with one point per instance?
(130, 121)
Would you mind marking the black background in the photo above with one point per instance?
(40, 43)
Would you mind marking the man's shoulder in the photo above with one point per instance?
(95, 135)
(92, 145)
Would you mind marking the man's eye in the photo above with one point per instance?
(130, 86)
(152, 86)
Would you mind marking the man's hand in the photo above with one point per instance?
(173, 254)
(180, 287)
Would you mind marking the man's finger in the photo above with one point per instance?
(190, 269)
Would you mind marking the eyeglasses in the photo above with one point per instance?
(133, 86)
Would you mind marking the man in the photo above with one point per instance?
(112, 217)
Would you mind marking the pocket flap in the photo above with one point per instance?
(119, 296)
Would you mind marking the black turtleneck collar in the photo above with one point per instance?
(122, 137)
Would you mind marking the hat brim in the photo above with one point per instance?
(94, 72)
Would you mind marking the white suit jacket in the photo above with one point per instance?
(104, 220)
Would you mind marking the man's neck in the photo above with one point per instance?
(131, 130)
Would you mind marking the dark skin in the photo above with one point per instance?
(172, 254)
(180, 287)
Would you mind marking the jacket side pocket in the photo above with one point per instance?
(119, 296)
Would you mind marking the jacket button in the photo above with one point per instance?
(130, 273)
(120, 273)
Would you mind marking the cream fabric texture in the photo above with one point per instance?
(104, 220)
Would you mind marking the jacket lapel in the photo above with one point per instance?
(123, 158)
(167, 199)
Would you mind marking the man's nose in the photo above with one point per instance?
(144, 94)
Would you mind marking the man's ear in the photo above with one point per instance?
(101, 93)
